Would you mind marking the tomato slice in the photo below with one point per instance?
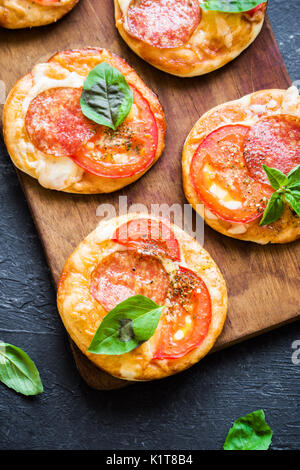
(221, 178)
(152, 235)
(275, 142)
(186, 324)
(123, 152)
(255, 9)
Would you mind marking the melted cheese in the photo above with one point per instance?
(290, 105)
(209, 214)
(238, 229)
(124, 4)
(291, 101)
(56, 173)
(178, 335)
(120, 158)
(224, 31)
(183, 331)
(133, 113)
(224, 197)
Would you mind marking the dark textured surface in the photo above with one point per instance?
(191, 411)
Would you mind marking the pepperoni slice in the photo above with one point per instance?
(186, 324)
(275, 142)
(126, 151)
(149, 234)
(222, 180)
(127, 273)
(55, 123)
(163, 23)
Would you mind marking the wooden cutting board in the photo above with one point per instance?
(263, 282)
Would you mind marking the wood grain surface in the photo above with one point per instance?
(262, 281)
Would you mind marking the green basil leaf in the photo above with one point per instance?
(230, 6)
(273, 210)
(294, 177)
(295, 192)
(276, 177)
(126, 326)
(249, 433)
(294, 187)
(106, 96)
(293, 198)
(18, 371)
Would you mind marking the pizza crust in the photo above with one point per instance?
(82, 314)
(67, 68)
(219, 38)
(246, 110)
(15, 14)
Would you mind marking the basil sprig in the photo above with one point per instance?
(126, 326)
(287, 190)
(18, 371)
(251, 432)
(230, 6)
(106, 96)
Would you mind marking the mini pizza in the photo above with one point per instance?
(223, 160)
(144, 255)
(49, 137)
(181, 38)
(16, 14)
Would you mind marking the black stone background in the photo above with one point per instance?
(193, 410)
